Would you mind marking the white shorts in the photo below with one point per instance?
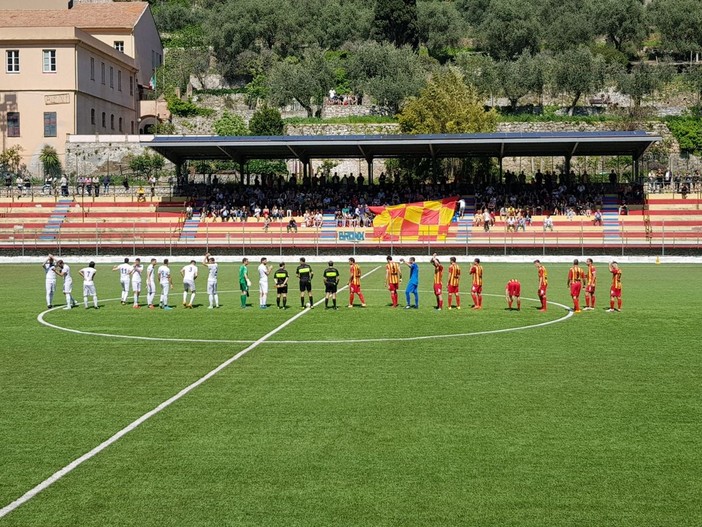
(125, 285)
(189, 285)
(136, 286)
(50, 287)
(211, 288)
(263, 287)
(89, 290)
(68, 286)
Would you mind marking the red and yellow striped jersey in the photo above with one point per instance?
(454, 274)
(543, 276)
(616, 278)
(355, 278)
(575, 274)
(392, 273)
(438, 273)
(477, 271)
(591, 275)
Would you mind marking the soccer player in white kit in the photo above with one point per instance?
(164, 277)
(151, 283)
(189, 273)
(211, 281)
(136, 271)
(62, 269)
(263, 271)
(88, 274)
(125, 271)
(49, 267)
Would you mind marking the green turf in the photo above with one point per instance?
(594, 420)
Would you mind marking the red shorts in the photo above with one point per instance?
(616, 293)
(393, 287)
(514, 289)
(542, 290)
(354, 289)
(452, 289)
(437, 289)
(590, 289)
(575, 288)
(476, 289)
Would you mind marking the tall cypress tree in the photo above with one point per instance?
(396, 21)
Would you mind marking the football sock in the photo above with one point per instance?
(69, 300)
(326, 302)
(185, 296)
(509, 304)
(334, 301)
(243, 300)
(211, 297)
(95, 301)
(302, 301)
(458, 301)
(311, 301)
(85, 302)
(216, 300)
(136, 299)
(611, 304)
(441, 302)
(351, 299)
(408, 297)
(277, 301)
(264, 299)
(619, 303)
(519, 304)
(192, 298)
(363, 300)
(416, 299)
(592, 301)
(475, 299)
(285, 301)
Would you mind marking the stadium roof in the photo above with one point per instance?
(500, 145)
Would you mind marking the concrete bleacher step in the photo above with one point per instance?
(53, 225)
(190, 228)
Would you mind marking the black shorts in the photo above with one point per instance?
(305, 286)
(330, 288)
(282, 290)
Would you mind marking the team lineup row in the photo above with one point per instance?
(130, 277)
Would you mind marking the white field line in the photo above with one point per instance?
(134, 424)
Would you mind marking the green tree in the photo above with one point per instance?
(622, 22)
(11, 158)
(693, 79)
(387, 73)
(50, 161)
(567, 24)
(643, 81)
(306, 80)
(447, 105)
(508, 28)
(230, 125)
(679, 22)
(578, 72)
(179, 64)
(441, 28)
(146, 164)
(266, 121)
(480, 71)
(395, 21)
(518, 78)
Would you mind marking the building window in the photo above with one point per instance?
(102, 72)
(112, 77)
(132, 127)
(119, 80)
(49, 124)
(120, 124)
(49, 61)
(13, 61)
(13, 124)
(92, 69)
(112, 121)
(104, 117)
(119, 45)
(131, 85)
(92, 116)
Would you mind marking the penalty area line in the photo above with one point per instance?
(56, 476)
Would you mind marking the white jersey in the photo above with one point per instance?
(50, 274)
(136, 273)
(150, 274)
(66, 272)
(88, 274)
(164, 274)
(189, 273)
(212, 274)
(124, 271)
(262, 273)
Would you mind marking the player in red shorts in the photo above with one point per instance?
(438, 277)
(355, 283)
(543, 283)
(590, 284)
(513, 290)
(393, 277)
(575, 281)
(453, 281)
(476, 289)
(615, 292)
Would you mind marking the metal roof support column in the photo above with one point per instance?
(242, 170)
(499, 162)
(637, 169)
(179, 173)
(567, 168)
(370, 170)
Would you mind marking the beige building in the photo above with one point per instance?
(66, 71)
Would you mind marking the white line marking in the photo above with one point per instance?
(124, 431)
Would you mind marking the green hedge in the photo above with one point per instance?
(688, 133)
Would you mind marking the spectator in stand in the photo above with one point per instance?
(598, 218)
(292, 226)
(548, 223)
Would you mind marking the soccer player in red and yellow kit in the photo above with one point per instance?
(616, 290)
(543, 283)
(476, 289)
(590, 284)
(438, 286)
(393, 277)
(453, 281)
(513, 290)
(575, 281)
(355, 283)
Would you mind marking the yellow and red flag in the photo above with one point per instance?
(420, 221)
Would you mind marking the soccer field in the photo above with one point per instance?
(373, 416)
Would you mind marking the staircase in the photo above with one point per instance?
(465, 224)
(53, 225)
(610, 219)
(328, 230)
(190, 228)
